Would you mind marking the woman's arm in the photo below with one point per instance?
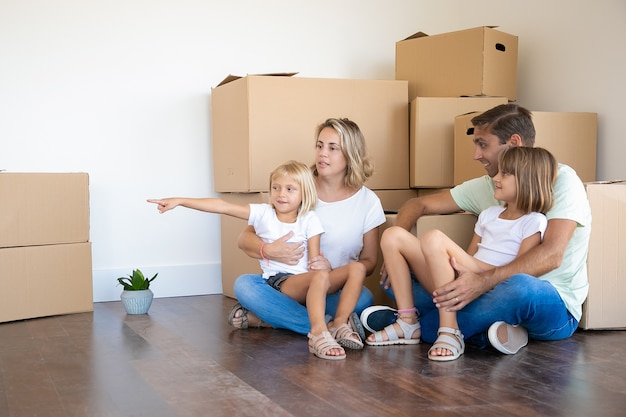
(369, 253)
(280, 250)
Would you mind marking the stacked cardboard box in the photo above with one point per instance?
(606, 264)
(45, 253)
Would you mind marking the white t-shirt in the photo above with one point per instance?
(501, 238)
(269, 228)
(345, 222)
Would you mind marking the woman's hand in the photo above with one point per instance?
(280, 250)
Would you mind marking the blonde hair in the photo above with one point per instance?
(535, 171)
(302, 174)
(359, 165)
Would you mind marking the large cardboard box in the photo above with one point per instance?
(570, 136)
(39, 281)
(474, 62)
(606, 264)
(431, 145)
(459, 227)
(43, 208)
(260, 122)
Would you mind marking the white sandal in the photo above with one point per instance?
(321, 344)
(394, 338)
(455, 344)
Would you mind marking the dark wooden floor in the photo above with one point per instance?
(184, 360)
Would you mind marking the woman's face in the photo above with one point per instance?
(329, 158)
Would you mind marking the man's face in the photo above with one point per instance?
(487, 147)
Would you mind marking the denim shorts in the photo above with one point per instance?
(277, 280)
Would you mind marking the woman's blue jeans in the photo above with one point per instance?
(280, 311)
(522, 299)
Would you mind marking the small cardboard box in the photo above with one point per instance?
(431, 130)
(43, 208)
(261, 121)
(606, 264)
(570, 136)
(39, 281)
(474, 62)
(459, 227)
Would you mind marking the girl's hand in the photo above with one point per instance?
(319, 263)
(164, 204)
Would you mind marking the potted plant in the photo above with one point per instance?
(137, 295)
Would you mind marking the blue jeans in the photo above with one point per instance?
(281, 311)
(522, 299)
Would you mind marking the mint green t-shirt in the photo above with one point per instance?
(571, 203)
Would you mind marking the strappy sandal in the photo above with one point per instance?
(455, 344)
(320, 346)
(244, 317)
(394, 338)
(346, 337)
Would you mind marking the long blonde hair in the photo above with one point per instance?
(535, 171)
(302, 174)
(359, 165)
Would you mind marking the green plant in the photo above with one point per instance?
(136, 282)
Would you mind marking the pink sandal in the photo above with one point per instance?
(322, 344)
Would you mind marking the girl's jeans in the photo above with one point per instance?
(522, 299)
(280, 311)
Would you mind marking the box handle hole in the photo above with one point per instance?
(470, 131)
(500, 47)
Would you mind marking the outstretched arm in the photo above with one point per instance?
(414, 208)
(209, 205)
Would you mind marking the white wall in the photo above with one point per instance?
(121, 90)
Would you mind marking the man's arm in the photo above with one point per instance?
(537, 261)
(414, 208)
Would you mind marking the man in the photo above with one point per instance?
(539, 294)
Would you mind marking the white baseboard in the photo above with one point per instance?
(172, 281)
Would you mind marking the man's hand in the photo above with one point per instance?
(282, 251)
(384, 277)
(467, 287)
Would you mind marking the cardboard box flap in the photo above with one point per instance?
(231, 77)
(422, 34)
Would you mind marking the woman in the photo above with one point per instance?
(350, 214)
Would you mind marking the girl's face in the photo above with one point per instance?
(285, 195)
(506, 187)
(329, 158)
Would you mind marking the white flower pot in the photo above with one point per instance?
(137, 302)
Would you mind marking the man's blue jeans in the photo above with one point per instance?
(280, 311)
(522, 299)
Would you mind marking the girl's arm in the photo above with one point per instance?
(473, 245)
(313, 245)
(529, 243)
(209, 205)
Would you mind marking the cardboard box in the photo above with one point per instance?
(260, 122)
(606, 265)
(474, 62)
(431, 145)
(570, 136)
(459, 227)
(392, 200)
(43, 208)
(39, 281)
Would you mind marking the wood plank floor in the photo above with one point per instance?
(182, 359)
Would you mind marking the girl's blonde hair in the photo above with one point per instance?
(359, 165)
(302, 174)
(535, 171)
